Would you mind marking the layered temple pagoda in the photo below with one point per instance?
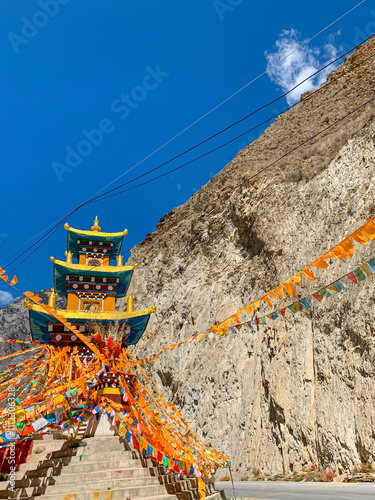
(91, 287)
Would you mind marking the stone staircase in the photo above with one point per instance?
(102, 470)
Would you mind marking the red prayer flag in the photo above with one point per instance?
(352, 277)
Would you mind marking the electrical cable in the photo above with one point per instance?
(202, 117)
(235, 123)
(103, 197)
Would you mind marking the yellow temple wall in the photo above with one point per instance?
(72, 302)
(109, 303)
(82, 259)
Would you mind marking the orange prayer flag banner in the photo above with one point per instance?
(359, 237)
(2, 271)
(267, 301)
(249, 309)
(232, 320)
(280, 291)
(369, 230)
(306, 271)
(320, 264)
(297, 279)
(256, 305)
(272, 294)
(290, 290)
(338, 252)
(5, 278)
(226, 327)
(14, 281)
(237, 317)
(328, 255)
(347, 247)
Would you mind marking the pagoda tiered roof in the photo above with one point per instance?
(64, 269)
(137, 320)
(91, 287)
(78, 235)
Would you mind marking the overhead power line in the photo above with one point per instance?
(61, 219)
(54, 228)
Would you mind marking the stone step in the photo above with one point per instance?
(110, 474)
(111, 455)
(66, 476)
(96, 466)
(86, 466)
(103, 495)
(104, 484)
(90, 493)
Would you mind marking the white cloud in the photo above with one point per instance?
(294, 60)
(5, 298)
(179, 187)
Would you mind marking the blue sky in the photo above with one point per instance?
(128, 76)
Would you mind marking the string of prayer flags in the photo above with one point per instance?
(356, 276)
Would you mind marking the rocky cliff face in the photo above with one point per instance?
(299, 391)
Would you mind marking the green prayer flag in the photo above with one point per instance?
(263, 320)
(20, 426)
(165, 462)
(359, 274)
(17, 401)
(292, 307)
(325, 292)
(74, 391)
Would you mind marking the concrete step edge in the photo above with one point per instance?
(57, 496)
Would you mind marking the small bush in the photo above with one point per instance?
(244, 478)
(38, 450)
(364, 468)
(327, 476)
(3, 476)
(256, 472)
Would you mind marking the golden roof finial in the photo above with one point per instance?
(96, 226)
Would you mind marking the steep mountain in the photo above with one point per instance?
(298, 390)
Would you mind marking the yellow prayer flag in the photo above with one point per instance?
(369, 230)
(290, 290)
(320, 264)
(338, 252)
(297, 279)
(359, 237)
(14, 280)
(308, 273)
(267, 301)
(347, 247)
(280, 291)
